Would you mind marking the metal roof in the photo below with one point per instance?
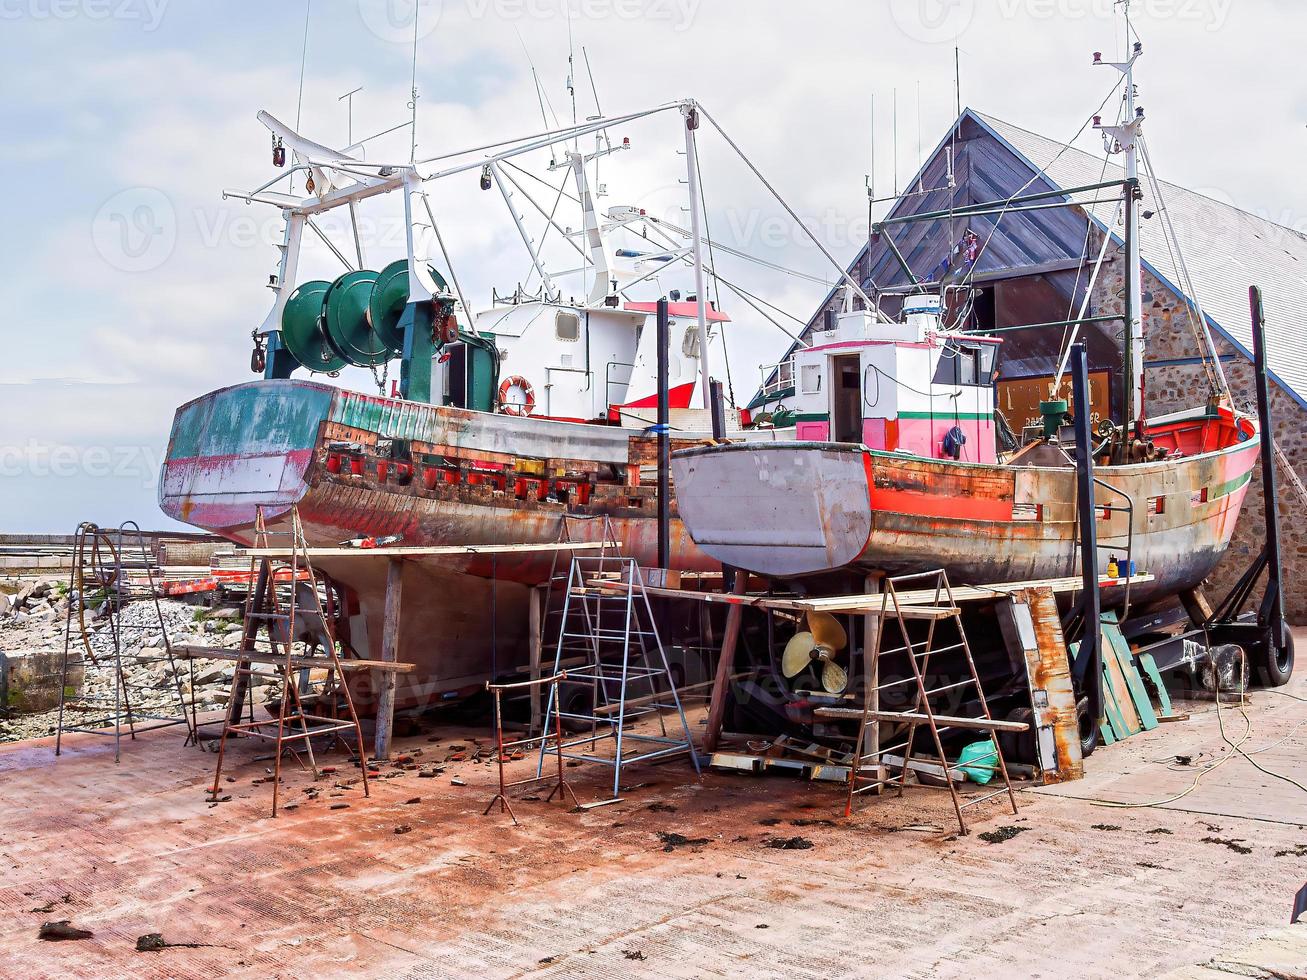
(1225, 249)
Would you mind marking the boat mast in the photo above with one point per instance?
(691, 113)
(1124, 138)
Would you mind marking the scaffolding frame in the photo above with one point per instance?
(617, 638)
(92, 575)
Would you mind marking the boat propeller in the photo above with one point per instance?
(820, 643)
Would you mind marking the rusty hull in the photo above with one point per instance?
(786, 510)
(460, 478)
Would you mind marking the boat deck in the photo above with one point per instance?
(1085, 890)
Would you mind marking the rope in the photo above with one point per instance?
(712, 268)
(1236, 750)
(304, 58)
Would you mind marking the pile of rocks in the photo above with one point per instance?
(42, 601)
(35, 621)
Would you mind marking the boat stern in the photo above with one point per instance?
(780, 509)
(236, 449)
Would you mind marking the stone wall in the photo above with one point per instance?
(1172, 387)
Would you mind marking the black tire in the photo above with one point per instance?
(1272, 667)
(1088, 729)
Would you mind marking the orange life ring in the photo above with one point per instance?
(529, 393)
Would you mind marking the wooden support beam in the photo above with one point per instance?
(872, 603)
(535, 642)
(193, 652)
(725, 668)
(390, 654)
(918, 718)
(871, 629)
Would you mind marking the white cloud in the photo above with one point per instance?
(793, 83)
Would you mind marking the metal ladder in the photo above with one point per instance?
(616, 641)
(265, 611)
(942, 611)
(555, 588)
(99, 571)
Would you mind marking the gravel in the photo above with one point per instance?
(37, 623)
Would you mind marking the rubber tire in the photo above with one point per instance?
(1271, 672)
(1088, 738)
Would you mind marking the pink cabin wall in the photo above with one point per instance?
(925, 437)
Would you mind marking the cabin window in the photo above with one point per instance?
(810, 379)
(567, 326)
(965, 364)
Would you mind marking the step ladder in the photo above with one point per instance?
(101, 579)
(944, 635)
(277, 624)
(572, 530)
(608, 633)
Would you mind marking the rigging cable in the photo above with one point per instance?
(304, 58)
(712, 266)
(1206, 346)
(1042, 172)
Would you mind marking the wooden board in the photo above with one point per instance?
(1149, 665)
(189, 652)
(949, 721)
(1134, 683)
(873, 602)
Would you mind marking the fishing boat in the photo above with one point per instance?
(893, 463)
(531, 422)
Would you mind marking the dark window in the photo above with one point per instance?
(965, 364)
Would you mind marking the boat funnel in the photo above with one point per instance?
(1054, 414)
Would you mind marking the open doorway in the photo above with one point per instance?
(846, 397)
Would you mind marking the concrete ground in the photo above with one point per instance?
(415, 882)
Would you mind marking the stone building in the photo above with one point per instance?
(1035, 266)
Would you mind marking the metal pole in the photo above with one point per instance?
(1271, 613)
(1091, 657)
(718, 405)
(1132, 404)
(691, 114)
(664, 440)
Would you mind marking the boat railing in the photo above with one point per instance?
(776, 378)
(1129, 510)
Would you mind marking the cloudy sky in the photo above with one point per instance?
(130, 285)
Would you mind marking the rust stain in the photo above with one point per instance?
(1050, 671)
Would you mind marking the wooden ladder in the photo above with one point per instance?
(943, 618)
(265, 612)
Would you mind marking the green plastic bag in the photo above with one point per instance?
(979, 761)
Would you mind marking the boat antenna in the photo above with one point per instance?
(920, 185)
(413, 90)
(304, 60)
(571, 70)
(540, 93)
(896, 142)
(594, 90)
(957, 83)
